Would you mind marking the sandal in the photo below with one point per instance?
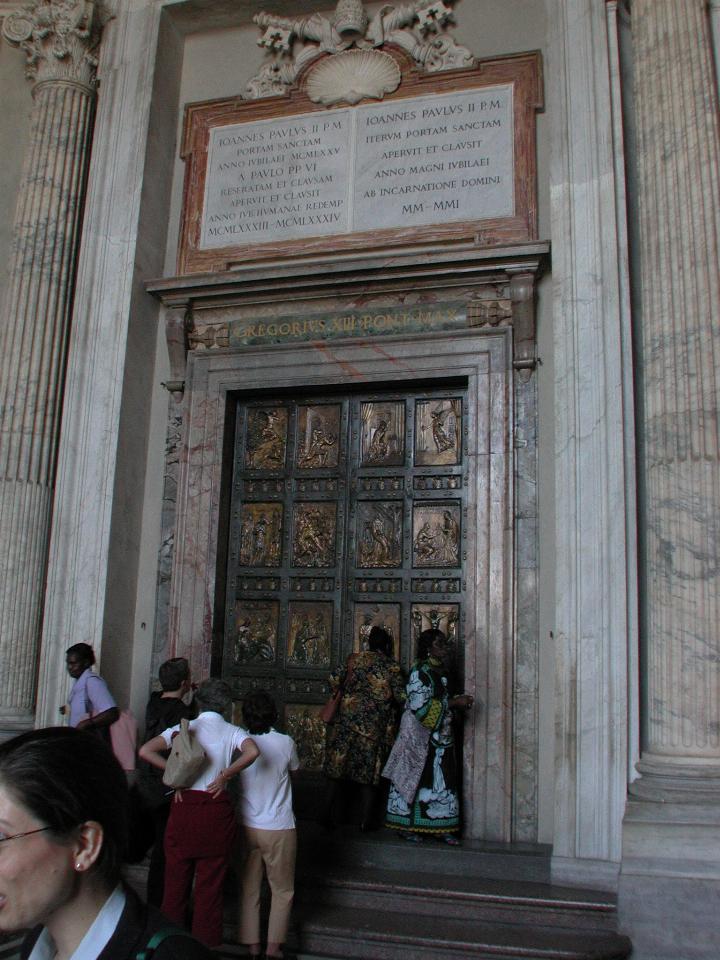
(451, 840)
(411, 837)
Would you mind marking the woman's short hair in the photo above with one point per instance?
(259, 712)
(65, 777)
(380, 639)
(173, 673)
(426, 639)
(214, 694)
(82, 650)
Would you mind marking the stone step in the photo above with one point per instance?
(460, 897)
(355, 934)
(384, 849)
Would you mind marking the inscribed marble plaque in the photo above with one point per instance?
(404, 163)
(448, 156)
(277, 179)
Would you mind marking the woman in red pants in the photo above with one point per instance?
(201, 830)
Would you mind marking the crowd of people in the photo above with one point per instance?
(65, 804)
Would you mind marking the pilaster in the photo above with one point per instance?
(594, 439)
(80, 569)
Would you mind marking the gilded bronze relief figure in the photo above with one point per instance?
(314, 535)
(306, 728)
(425, 616)
(382, 438)
(256, 631)
(266, 440)
(261, 535)
(436, 535)
(369, 615)
(318, 443)
(310, 629)
(437, 432)
(379, 533)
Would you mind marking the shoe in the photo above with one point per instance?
(411, 837)
(451, 840)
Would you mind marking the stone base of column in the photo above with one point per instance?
(669, 886)
(13, 722)
(677, 780)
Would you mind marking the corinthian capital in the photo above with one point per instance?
(59, 39)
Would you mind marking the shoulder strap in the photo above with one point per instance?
(157, 938)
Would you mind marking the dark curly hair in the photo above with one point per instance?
(380, 639)
(426, 639)
(259, 712)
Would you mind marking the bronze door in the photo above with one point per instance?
(346, 511)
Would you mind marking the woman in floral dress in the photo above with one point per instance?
(359, 738)
(433, 805)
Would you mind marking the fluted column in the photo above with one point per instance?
(679, 213)
(59, 41)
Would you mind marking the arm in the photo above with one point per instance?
(103, 719)
(247, 754)
(397, 684)
(464, 700)
(154, 752)
(99, 703)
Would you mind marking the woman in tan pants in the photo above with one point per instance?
(268, 821)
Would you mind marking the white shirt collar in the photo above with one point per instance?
(96, 937)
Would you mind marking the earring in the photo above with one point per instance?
(78, 866)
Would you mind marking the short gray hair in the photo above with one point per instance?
(214, 694)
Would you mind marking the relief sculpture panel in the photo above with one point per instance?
(306, 728)
(261, 535)
(309, 634)
(382, 440)
(314, 534)
(266, 441)
(318, 444)
(379, 533)
(438, 432)
(256, 631)
(436, 535)
(445, 617)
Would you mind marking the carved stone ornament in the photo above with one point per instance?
(419, 27)
(60, 40)
(352, 76)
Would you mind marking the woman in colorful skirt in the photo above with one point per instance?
(424, 797)
(360, 736)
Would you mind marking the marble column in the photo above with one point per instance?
(59, 41)
(678, 143)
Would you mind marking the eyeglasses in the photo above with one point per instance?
(28, 833)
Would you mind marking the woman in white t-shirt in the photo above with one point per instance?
(265, 810)
(201, 829)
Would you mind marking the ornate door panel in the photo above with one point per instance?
(346, 511)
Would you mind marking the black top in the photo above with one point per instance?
(159, 715)
(138, 922)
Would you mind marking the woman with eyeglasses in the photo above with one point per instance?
(63, 833)
(424, 796)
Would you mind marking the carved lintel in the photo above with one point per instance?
(209, 336)
(176, 334)
(522, 295)
(59, 39)
(492, 312)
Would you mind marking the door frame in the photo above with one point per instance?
(484, 359)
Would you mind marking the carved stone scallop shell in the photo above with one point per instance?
(353, 76)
